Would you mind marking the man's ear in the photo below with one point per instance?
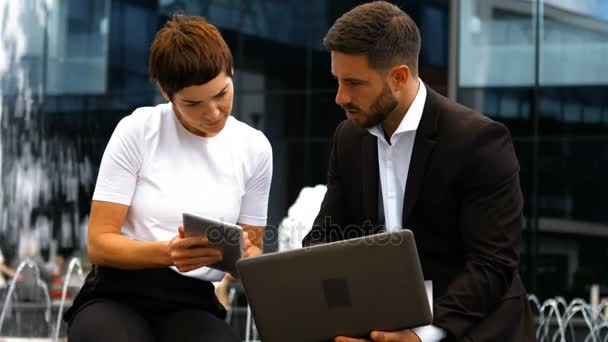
(163, 92)
(399, 76)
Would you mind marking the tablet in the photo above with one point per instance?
(227, 236)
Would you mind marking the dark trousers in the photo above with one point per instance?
(108, 320)
(146, 305)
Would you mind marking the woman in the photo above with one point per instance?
(149, 282)
(4, 269)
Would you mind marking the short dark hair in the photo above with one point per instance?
(379, 30)
(188, 51)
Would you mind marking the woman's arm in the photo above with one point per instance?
(107, 247)
(7, 270)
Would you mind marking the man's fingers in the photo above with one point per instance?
(394, 336)
(380, 336)
(349, 339)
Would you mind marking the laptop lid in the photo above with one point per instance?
(348, 288)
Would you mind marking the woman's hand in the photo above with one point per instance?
(250, 249)
(190, 253)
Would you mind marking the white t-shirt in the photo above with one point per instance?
(160, 169)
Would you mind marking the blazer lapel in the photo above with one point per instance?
(423, 146)
(371, 178)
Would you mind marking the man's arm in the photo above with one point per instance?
(490, 224)
(331, 213)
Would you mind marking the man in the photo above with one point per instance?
(409, 158)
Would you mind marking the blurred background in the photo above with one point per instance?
(71, 69)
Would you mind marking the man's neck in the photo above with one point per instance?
(392, 121)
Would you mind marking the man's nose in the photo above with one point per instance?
(342, 97)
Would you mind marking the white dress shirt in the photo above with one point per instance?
(394, 164)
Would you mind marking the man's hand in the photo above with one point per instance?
(383, 336)
(190, 253)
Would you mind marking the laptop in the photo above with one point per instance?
(347, 288)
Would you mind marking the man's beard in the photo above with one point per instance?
(383, 105)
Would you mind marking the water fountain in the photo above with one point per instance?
(41, 172)
(74, 264)
(41, 285)
(575, 320)
(579, 306)
(549, 310)
(596, 332)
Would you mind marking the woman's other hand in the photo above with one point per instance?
(250, 249)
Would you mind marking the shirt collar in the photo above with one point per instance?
(411, 120)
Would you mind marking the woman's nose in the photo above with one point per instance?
(213, 112)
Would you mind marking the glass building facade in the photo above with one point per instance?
(540, 67)
(71, 69)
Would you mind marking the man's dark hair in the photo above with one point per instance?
(379, 30)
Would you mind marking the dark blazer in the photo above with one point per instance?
(464, 204)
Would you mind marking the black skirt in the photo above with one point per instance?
(150, 291)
